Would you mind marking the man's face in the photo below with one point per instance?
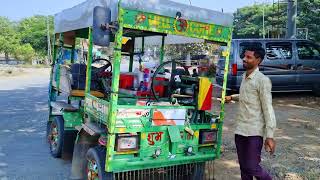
(250, 61)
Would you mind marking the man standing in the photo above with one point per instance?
(256, 118)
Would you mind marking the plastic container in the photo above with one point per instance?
(159, 88)
(126, 80)
(146, 80)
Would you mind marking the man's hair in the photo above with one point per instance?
(259, 52)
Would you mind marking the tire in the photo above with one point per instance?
(48, 130)
(56, 136)
(95, 164)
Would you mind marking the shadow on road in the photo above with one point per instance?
(23, 144)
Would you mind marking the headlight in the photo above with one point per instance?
(189, 151)
(208, 136)
(127, 142)
(157, 152)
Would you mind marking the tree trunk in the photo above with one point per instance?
(6, 56)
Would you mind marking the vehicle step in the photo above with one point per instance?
(63, 106)
(93, 129)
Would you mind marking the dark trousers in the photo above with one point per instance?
(249, 152)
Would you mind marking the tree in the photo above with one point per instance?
(25, 52)
(8, 37)
(309, 17)
(33, 30)
(248, 21)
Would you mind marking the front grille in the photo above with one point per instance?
(194, 171)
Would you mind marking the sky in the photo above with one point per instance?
(18, 9)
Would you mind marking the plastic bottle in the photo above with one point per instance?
(146, 79)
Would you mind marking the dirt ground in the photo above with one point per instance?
(298, 144)
(12, 77)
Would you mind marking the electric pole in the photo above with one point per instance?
(48, 61)
(292, 9)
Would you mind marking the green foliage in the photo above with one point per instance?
(309, 17)
(8, 37)
(25, 52)
(33, 30)
(248, 21)
(26, 39)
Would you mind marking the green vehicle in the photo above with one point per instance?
(123, 118)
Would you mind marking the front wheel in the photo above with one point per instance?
(95, 163)
(55, 136)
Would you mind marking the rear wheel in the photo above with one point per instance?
(95, 163)
(55, 136)
(48, 130)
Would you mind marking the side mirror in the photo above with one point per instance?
(101, 17)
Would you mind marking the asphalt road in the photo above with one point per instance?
(24, 153)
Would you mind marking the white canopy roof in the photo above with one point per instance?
(81, 16)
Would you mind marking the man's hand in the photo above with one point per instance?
(228, 99)
(270, 145)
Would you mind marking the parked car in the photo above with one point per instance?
(291, 64)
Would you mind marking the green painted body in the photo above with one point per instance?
(72, 119)
(173, 145)
(168, 25)
(224, 87)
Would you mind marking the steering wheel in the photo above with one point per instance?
(101, 75)
(101, 70)
(173, 83)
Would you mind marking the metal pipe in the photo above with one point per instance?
(72, 53)
(89, 61)
(131, 55)
(162, 50)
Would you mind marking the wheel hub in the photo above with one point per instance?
(92, 170)
(53, 137)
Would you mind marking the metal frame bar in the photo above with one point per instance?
(162, 50)
(131, 55)
(114, 90)
(52, 92)
(89, 62)
(224, 89)
(61, 44)
(72, 53)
